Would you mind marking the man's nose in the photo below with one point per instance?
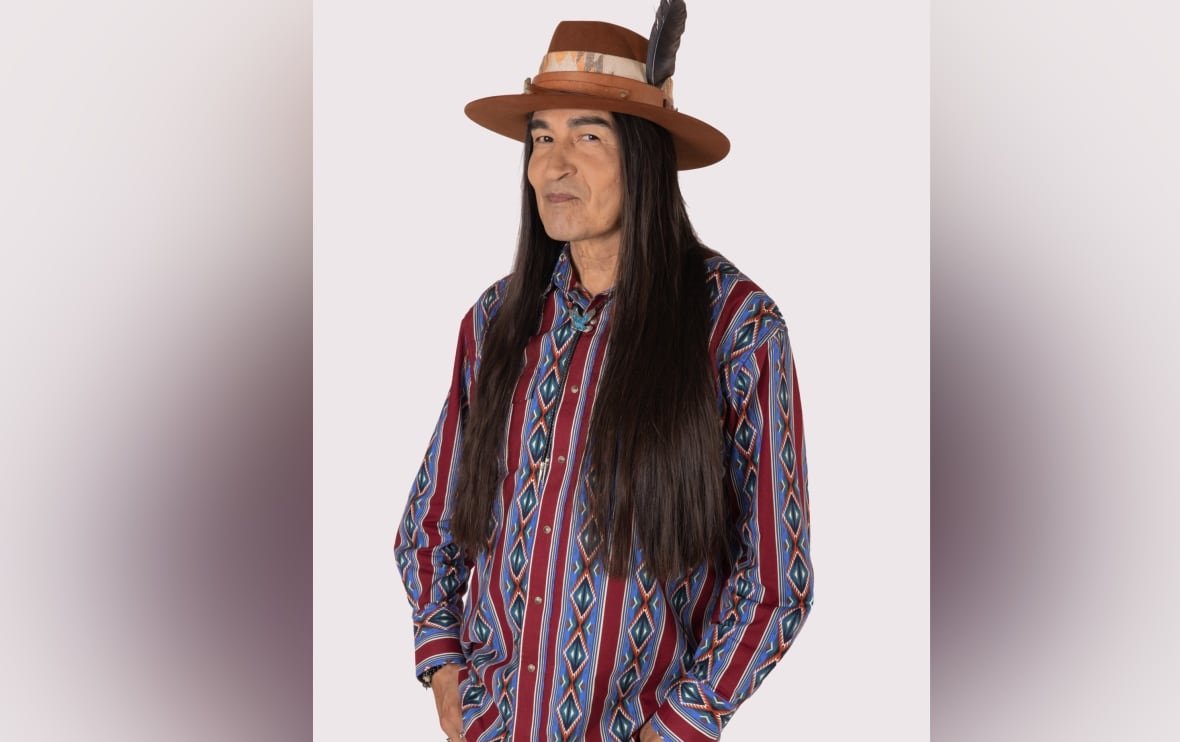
(559, 163)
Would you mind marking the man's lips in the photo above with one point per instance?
(557, 198)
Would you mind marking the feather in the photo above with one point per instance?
(664, 40)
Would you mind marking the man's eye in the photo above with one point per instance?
(542, 138)
(591, 136)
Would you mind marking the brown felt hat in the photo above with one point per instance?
(602, 66)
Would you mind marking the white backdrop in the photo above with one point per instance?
(823, 200)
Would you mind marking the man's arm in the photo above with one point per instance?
(433, 568)
(768, 596)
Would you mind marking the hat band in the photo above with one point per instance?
(594, 73)
(605, 64)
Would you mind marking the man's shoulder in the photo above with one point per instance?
(490, 298)
(743, 313)
(479, 315)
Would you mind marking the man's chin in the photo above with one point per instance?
(561, 235)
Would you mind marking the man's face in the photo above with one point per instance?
(574, 170)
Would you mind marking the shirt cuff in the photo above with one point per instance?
(439, 650)
(677, 722)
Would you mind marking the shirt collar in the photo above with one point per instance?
(565, 281)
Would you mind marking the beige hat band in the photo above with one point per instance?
(598, 64)
(607, 64)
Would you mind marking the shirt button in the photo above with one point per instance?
(548, 529)
(532, 667)
(561, 459)
(537, 599)
(574, 389)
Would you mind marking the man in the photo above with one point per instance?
(608, 537)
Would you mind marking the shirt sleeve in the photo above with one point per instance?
(433, 568)
(768, 596)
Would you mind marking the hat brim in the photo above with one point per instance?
(697, 144)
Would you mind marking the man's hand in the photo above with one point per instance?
(647, 734)
(445, 684)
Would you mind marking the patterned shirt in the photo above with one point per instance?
(552, 648)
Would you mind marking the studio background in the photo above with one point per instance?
(156, 394)
(823, 201)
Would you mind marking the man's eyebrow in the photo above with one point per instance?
(589, 121)
(592, 120)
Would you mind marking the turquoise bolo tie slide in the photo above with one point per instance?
(582, 322)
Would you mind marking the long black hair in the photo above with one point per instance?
(655, 443)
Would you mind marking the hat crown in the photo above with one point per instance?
(599, 37)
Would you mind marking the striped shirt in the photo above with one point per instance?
(550, 647)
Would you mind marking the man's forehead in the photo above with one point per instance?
(571, 117)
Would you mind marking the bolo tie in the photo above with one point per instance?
(582, 321)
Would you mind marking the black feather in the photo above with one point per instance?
(664, 41)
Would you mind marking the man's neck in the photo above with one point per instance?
(597, 263)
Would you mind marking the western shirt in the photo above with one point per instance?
(552, 648)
